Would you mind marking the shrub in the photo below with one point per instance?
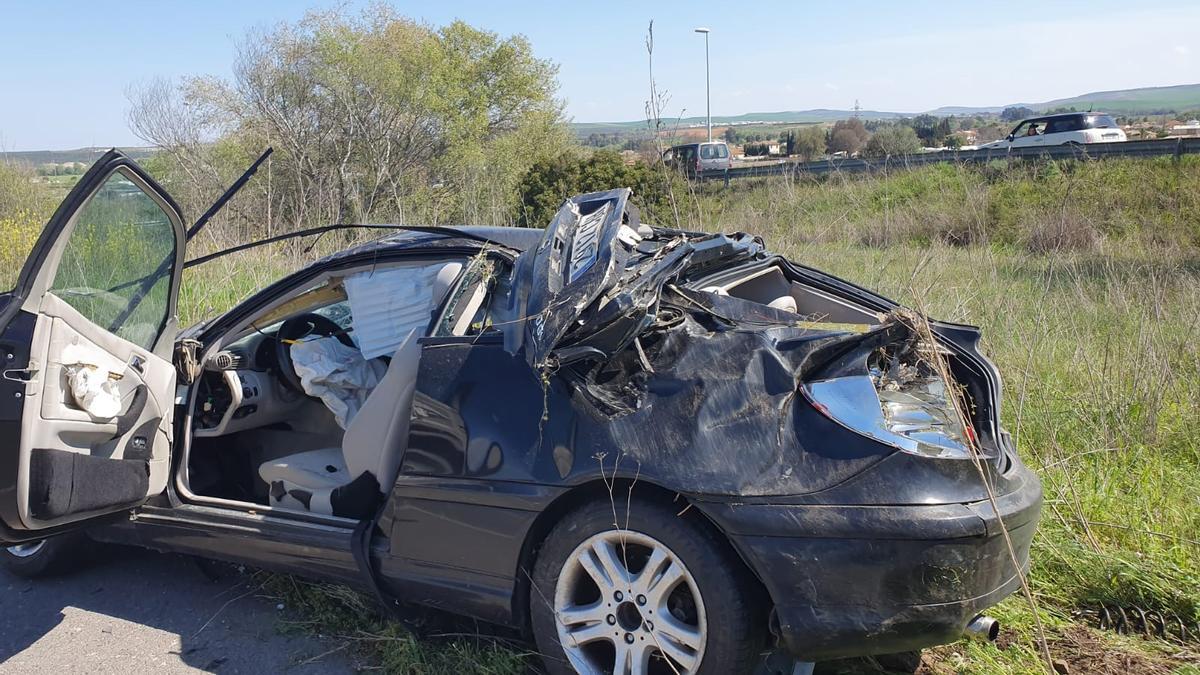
(1056, 234)
(848, 136)
(892, 141)
(756, 149)
(24, 207)
(549, 182)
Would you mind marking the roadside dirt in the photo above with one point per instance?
(1083, 652)
(1079, 650)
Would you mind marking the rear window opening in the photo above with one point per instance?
(1100, 122)
(771, 287)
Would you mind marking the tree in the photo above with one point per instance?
(1016, 113)
(848, 136)
(756, 149)
(788, 140)
(945, 127)
(809, 142)
(987, 133)
(893, 141)
(372, 117)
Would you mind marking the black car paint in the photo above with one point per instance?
(500, 449)
(15, 342)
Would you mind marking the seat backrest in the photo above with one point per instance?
(378, 435)
(441, 283)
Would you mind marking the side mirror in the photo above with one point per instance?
(1010, 138)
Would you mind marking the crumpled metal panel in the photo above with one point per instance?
(717, 410)
(580, 257)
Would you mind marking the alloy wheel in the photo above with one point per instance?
(626, 604)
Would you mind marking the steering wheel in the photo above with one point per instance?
(297, 328)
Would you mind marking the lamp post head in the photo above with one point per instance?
(703, 30)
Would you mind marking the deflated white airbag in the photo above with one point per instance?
(93, 387)
(336, 374)
(388, 304)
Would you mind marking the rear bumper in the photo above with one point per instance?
(858, 580)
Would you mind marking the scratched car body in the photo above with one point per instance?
(649, 450)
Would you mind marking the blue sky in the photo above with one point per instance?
(65, 66)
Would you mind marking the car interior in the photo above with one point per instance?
(771, 286)
(305, 405)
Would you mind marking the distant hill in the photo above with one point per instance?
(35, 158)
(783, 117)
(1148, 100)
(1145, 101)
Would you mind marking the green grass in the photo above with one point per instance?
(1085, 279)
(1100, 360)
(1095, 336)
(1149, 205)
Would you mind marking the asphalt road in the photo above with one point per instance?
(139, 611)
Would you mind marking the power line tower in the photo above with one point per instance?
(857, 108)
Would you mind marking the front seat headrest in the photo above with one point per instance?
(444, 279)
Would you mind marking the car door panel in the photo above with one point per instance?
(136, 442)
(97, 296)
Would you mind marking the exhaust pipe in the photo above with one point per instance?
(983, 628)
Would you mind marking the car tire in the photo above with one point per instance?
(715, 621)
(44, 557)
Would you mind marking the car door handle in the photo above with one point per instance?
(24, 375)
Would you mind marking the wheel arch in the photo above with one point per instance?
(605, 491)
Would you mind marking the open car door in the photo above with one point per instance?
(86, 338)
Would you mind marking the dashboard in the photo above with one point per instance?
(240, 388)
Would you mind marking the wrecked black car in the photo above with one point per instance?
(652, 451)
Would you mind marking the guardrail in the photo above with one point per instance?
(1157, 148)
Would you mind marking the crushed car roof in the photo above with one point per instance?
(402, 237)
(518, 238)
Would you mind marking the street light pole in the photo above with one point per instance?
(707, 85)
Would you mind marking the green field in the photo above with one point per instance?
(791, 118)
(1085, 279)
(1143, 101)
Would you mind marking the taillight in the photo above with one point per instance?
(900, 402)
